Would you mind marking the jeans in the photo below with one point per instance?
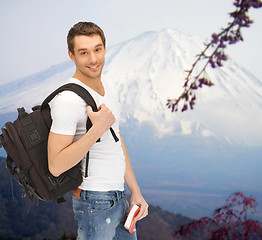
(101, 216)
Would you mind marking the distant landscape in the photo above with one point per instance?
(193, 176)
(180, 175)
(52, 221)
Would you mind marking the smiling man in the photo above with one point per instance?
(99, 204)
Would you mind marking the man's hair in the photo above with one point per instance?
(86, 29)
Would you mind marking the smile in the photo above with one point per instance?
(94, 68)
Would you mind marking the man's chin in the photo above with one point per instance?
(93, 74)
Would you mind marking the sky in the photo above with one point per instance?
(33, 32)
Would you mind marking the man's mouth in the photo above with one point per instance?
(93, 68)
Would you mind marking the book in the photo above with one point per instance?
(130, 222)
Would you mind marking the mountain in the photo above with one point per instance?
(51, 221)
(185, 162)
(149, 69)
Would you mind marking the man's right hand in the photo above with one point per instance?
(101, 120)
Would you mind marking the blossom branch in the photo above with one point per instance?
(229, 35)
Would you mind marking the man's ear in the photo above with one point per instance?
(71, 55)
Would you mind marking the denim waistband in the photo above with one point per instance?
(85, 194)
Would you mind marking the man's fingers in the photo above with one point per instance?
(89, 110)
(140, 216)
(142, 213)
(101, 106)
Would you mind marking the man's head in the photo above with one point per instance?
(86, 48)
(85, 29)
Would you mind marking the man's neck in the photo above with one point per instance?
(93, 83)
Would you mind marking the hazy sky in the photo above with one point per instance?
(33, 32)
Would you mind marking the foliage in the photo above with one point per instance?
(214, 54)
(65, 237)
(228, 222)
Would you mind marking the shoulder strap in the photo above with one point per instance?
(79, 90)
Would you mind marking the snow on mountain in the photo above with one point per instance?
(31, 90)
(149, 69)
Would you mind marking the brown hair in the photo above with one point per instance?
(83, 28)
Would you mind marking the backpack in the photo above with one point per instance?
(25, 142)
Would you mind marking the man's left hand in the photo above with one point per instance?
(137, 198)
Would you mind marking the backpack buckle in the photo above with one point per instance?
(34, 136)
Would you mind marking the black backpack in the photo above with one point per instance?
(25, 142)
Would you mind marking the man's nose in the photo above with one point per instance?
(92, 58)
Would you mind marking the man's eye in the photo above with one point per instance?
(83, 53)
(98, 49)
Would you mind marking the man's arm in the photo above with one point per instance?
(63, 154)
(130, 180)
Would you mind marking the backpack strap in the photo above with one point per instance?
(81, 92)
(86, 96)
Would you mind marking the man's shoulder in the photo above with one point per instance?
(68, 106)
(68, 97)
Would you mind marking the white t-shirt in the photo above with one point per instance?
(106, 166)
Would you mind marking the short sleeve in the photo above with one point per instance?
(67, 110)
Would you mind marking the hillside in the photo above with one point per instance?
(50, 221)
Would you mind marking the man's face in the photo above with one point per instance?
(89, 56)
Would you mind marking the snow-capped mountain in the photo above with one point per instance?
(149, 69)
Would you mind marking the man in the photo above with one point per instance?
(99, 203)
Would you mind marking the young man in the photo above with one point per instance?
(99, 204)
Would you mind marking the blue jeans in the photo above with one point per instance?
(101, 216)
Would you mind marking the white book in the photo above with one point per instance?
(130, 222)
